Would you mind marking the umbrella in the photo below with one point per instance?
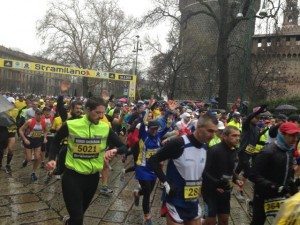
(286, 108)
(5, 104)
(123, 100)
(266, 113)
(5, 120)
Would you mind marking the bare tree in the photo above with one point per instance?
(265, 79)
(89, 34)
(226, 17)
(168, 65)
(158, 75)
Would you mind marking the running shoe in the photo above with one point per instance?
(240, 195)
(24, 163)
(105, 190)
(110, 168)
(136, 197)
(33, 177)
(66, 219)
(8, 169)
(148, 222)
(124, 159)
(249, 206)
(48, 178)
(122, 175)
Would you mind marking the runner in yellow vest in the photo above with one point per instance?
(263, 138)
(87, 140)
(11, 142)
(236, 121)
(289, 212)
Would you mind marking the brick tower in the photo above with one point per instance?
(280, 53)
(199, 37)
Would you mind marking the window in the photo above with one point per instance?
(288, 41)
(298, 40)
(259, 43)
(269, 43)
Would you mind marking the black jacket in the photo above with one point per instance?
(220, 162)
(250, 132)
(272, 168)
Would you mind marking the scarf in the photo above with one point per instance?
(280, 142)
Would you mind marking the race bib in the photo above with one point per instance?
(192, 192)
(36, 134)
(86, 148)
(150, 152)
(250, 149)
(272, 206)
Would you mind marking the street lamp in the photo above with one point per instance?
(136, 49)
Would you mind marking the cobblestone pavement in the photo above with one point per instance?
(26, 202)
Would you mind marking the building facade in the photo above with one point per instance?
(276, 58)
(30, 82)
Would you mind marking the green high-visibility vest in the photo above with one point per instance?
(262, 140)
(86, 145)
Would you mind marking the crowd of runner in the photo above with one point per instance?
(209, 153)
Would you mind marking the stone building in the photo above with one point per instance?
(276, 59)
(30, 82)
(199, 38)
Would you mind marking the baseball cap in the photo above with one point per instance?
(221, 125)
(236, 114)
(185, 115)
(153, 124)
(294, 118)
(189, 111)
(214, 113)
(282, 117)
(38, 111)
(289, 128)
(11, 100)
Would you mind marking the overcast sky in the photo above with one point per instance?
(19, 17)
(18, 21)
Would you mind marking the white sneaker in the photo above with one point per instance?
(110, 168)
(122, 175)
(66, 219)
(249, 207)
(239, 195)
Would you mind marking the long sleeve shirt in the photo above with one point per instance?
(63, 132)
(220, 162)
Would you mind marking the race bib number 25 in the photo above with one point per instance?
(192, 192)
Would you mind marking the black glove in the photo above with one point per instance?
(275, 189)
(263, 108)
(224, 184)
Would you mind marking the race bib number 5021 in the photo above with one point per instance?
(86, 148)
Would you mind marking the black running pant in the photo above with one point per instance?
(259, 216)
(147, 187)
(78, 191)
(3, 142)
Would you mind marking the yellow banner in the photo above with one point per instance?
(72, 71)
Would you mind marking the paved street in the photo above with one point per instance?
(24, 202)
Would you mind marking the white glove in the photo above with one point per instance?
(167, 187)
